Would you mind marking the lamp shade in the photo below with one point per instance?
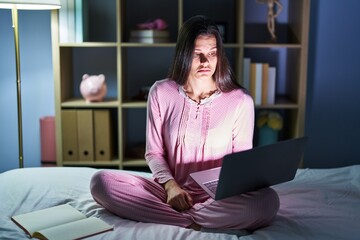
(30, 4)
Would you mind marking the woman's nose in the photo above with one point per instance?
(203, 58)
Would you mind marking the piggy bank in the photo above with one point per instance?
(93, 87)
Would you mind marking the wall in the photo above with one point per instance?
(333, 114)
(37, 85)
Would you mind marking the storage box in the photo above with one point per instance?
(47, 138)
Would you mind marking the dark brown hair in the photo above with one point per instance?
(180, 68)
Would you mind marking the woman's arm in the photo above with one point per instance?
(243, 130)
(155, 155)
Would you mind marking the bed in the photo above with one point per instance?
(317, 204)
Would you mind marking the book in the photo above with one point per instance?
(246, 73)
(271, 85)
(67, 21)
(60, 222)
(63, 22)
(264, 84)
(71, 20)
(81, 21)
(256, 82)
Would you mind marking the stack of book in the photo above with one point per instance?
(260, 80)
(149, 36)
(73, 21)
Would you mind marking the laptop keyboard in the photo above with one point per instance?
(212, 185)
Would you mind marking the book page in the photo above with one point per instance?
(49, 217)
(75, 230)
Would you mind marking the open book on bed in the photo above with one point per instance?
(60, 222)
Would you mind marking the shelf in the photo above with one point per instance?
(89, 44)
(258, 33)
(281, 102)
(139, 104)
(132, 44)
(277, 106)
(81, 103)
(271, 45)
(130, 67)
(231, 45)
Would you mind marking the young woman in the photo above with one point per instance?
(194, 117)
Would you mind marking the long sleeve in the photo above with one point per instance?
(155, 147)
(244, 125)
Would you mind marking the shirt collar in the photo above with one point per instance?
(202, 101)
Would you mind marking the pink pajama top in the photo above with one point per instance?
(183, 136)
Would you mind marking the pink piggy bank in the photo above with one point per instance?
(93, 87)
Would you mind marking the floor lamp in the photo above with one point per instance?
(14, 5)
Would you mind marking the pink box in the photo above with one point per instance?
(47, 138)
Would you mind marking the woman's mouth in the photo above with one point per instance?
(204, 70)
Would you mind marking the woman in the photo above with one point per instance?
(194, 117)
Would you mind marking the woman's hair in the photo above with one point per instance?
(180, 69)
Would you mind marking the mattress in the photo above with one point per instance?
(317, 204)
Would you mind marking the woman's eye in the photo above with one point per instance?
(212, 54)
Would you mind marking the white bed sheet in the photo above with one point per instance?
(317, 204)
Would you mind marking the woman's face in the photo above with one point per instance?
(204, 57)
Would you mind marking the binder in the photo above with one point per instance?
(69, 135)
(85, 135)
(103, 135)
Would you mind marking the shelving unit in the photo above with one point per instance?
(130, 66)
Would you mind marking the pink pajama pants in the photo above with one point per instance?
(142, 199)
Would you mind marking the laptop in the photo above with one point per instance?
(252, 169)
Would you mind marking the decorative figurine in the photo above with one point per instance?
(93, 87)
(274, 9)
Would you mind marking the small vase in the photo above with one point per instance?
(267, 135)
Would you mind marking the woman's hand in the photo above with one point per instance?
(177, 197)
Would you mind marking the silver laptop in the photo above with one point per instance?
(253, 169)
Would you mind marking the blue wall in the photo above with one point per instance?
(37, 85)
(332, 118)
(333, 111)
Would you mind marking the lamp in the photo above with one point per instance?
(14, 5)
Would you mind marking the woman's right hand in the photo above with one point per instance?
(177, 197)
